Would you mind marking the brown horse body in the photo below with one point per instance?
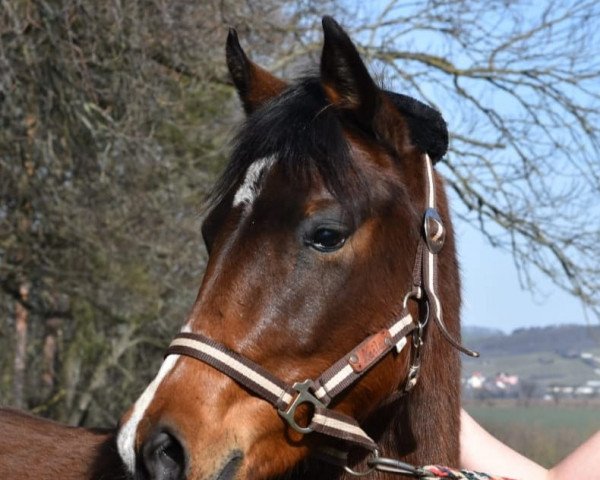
(312, 239)
(33, 448)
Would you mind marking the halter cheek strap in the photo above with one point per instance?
(431, 243)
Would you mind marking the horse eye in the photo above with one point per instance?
(327, 239)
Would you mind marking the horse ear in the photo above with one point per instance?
(254, 84)
(345, 77)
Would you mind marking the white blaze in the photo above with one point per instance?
(251, 185)
(246, 194)
(127, 433)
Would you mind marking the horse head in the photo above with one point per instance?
(312, 235)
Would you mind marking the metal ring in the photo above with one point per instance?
(370, 470)
(416, 293)
(427, 312)
(391, 465)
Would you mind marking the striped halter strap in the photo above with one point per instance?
(351, 367)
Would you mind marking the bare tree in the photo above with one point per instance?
(20, 362)
(519, 85)
(527, 391)
(114, 121)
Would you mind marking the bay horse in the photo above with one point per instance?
(324, 237)
(33, 448)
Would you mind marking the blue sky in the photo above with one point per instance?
(492, 296)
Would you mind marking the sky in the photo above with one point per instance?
(492, 296)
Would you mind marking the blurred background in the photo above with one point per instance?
(115, 119)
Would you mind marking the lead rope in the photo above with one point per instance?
(438, 471)
(389, 465)
(429, 471)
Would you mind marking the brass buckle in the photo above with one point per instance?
(304, 396)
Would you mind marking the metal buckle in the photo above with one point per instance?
(434, 238)
(304, 396)
(388, 465)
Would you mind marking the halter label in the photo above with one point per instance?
(369, 351)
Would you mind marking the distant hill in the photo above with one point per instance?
(473, 333)
(562, 338)
(545, 355)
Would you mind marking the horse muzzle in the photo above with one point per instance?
(162, 457)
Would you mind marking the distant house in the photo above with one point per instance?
(502, 385)
(590, 388)
(476, 381)
(590, 359)
(505, 381)
(584, 390)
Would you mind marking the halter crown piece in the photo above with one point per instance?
(351, 367)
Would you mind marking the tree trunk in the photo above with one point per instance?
(20, 361)
(50, 350)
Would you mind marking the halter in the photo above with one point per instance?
(351, 367)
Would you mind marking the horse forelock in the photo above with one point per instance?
(305, 137)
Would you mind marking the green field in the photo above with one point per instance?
(545, 433)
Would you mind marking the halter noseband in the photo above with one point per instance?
(351, 367)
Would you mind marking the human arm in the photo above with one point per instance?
(584, 462)
(480, 451)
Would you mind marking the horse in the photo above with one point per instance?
(331, 250)
(32, 448)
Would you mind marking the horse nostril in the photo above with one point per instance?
(231, 467)
(163, 457)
